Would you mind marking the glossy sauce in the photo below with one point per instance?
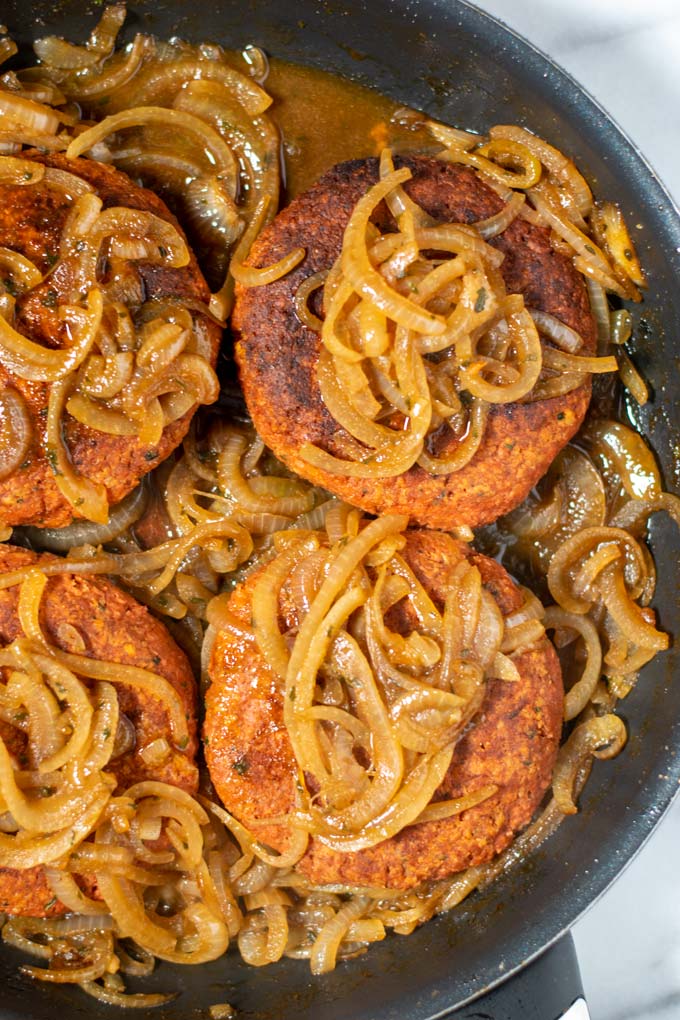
(324, 120)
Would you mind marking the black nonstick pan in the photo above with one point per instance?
(460, 65)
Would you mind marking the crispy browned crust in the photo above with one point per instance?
(511, 743)
(31, 221)
(277, 355)
(115, 628)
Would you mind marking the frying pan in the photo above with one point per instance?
(460, 65)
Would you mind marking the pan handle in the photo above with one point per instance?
(549, 988)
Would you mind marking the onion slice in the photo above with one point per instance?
(16, 432)
(28, 360)
(21, 172)
(88, 498)
(28, 114)
(67, 56)
(218, 151)
(121, 517)
(563, 336)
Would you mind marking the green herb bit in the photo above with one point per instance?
(241, 765)
(52, 459)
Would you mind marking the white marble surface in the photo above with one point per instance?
(626, 53)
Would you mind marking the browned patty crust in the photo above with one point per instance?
(277, 354)
(31, 222)
(511, 744)
(113, 627)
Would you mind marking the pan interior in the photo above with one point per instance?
(465, 68)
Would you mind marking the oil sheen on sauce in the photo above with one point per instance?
(325, 119)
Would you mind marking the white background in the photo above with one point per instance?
(626, 53)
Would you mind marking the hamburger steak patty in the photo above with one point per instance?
(277, 354)
(511, 743)
(31, 223)
(112, 627)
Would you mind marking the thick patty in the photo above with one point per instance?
(277, 355)
(31, 222)
(511, 744)
(82, 611)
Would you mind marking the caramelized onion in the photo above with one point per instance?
(584, 246)
(121, 517)
(32, 361)
(490, 158)
(577, 549)
(577, 362)
(69, 183)
(21, 172)
(211, 210)
(600, 309)
(325, 948)
(250, 276)
(67, 56)
(87, 497)
(555, 161)
(21, 269)
(28, 114)
(127, 1000)
(98, 84)
(16, 432)
(7, 48)
(266, 605)
(302, 296)
(622, 452)
(631, 620)
(233, 483)
(363, 277)
(219, 153)
(631, 378)
(161, 77)
(566, 338)
(609, 224)
(500, 221)
(65, 887)
(635, 514)
(526, 368)
(161, 241)
(621, 326)
(603, 737)
(581, 692)
(466, 449)
(97, 416)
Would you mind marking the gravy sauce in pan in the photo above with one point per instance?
(324, 120)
